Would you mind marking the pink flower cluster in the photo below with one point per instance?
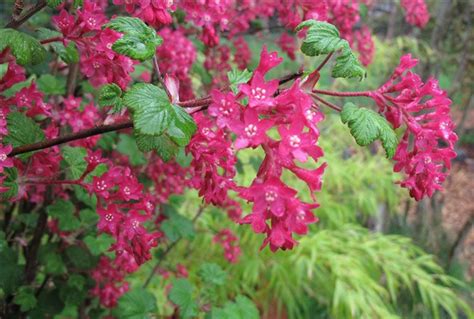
(427, 147)
(416, 12)
(277, 211)
(154, 12)
(176, 57)
(98, 61)
(230, 244)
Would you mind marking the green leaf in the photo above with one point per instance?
(99, 244)
(347, 65)
(212, 274)
(164, 146)
(51, 85)
(177, 226)
(68, 54)
(53, 3)
(10, 182)
(63, 211)
(135, 304)
(237, 77)
(88, 217)
(182, 126)
(128, 146)
(25, 298)
(110, 95)
(76, 281)
(10, 271)
(74, 158)
(54, 264)
(181, 294)
(324, 38)
(80, 257)
(242, 308)
(183, 159)
(22, 130)
(151, 108)
(367, 126)
(3, 69)
(138, 42)
(321, 38)
(25, 48)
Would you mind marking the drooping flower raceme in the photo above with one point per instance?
(427, 147)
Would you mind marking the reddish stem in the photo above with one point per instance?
(55, 39)
(324, 61)
(329, 104)
(55, 182)
(342, 94)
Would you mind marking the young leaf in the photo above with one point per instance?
(177, 226)
(51, 85)
(53, 3)
(3, 69)
(237, 77)
(367, 126)
(182, 126)
(25, 48)
(25, 298)
(10, 183)
(10, 272)
(324, 38)
(68, 54)
(138, 42)
(22, 130)
(128, 146)
(347, 65)
(135, 304)
(212, 274)
(99, 244)
(321, 38)
(151, 108)
(74, 158)
(181, 294)
(164, 146)
(63, 211)
(110, 94)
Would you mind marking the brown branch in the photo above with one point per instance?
(71, 137)
(15, 22)
(194, 106)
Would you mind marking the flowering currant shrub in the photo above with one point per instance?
(94, 145)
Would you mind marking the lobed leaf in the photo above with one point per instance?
(181, 294)
(163, 145)
(367, 126)
(111, 95)
(151, 108)
(138, 42)
(237, 77)
(324, 38)
(182, 126)
(25, 48)
(22, 130)
(135, 304)
(347, 65)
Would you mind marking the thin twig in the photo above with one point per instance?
(192, 106)
(331, 105)
(324, 61)
(15, 22)
(160, 77)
